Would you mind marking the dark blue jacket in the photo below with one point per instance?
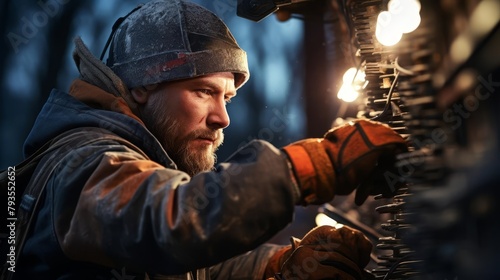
(110, 212)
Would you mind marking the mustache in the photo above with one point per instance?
(215, 135)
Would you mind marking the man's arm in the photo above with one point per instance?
(133, 212)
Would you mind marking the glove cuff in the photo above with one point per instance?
(311, 179)
(304, 172)
(276, 261)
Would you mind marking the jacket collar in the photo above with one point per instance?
(97, 98)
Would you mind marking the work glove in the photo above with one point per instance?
(354, 155)
(323, 253)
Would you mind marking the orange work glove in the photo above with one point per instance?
(352, 155)
(324, 253)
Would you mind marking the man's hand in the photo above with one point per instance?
(353, 155)
(324, 253)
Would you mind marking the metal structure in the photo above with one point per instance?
(439, 88)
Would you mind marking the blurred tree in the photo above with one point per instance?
(35, 52)
(5, 49)
(59, 40)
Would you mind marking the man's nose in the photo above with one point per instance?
(218, 117)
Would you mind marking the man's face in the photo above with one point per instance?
(188, 116)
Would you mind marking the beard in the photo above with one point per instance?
(188, 157)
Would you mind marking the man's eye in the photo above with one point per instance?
(205, 91)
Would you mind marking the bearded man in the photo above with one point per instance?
(138, 195)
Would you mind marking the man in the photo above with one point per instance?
(145, 199)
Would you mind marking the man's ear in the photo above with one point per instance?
(140, 95)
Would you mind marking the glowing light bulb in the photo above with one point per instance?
(404, 6)
(410, 23)
(353, 75)
(349, 75)
(388, 38)
(347, 93)
(405, 14)
(353, 82)
(387, 32)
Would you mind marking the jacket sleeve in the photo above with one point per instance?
(114, 207)
(249, 266)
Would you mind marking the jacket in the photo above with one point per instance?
(112, 212)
